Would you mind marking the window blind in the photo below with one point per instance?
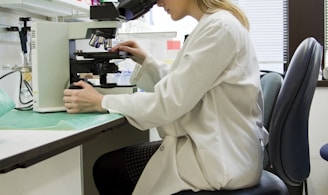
(268, 29)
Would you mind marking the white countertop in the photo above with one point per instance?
(13, 142)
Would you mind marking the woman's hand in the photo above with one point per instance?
(87, 99)
(138, 55)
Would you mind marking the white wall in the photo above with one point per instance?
(161, 21)
(318, 136)
(11, 53)
(9, 41)
(157, 20)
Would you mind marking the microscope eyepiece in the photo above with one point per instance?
(133, 9)
(126, 9)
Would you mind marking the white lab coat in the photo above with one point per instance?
(207, 109)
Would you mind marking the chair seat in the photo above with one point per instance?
(269, 184)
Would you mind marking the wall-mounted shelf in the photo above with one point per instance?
(148, 35)
(50, 8)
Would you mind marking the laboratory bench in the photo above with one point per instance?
(53, 153)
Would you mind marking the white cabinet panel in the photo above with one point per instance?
(50, 8)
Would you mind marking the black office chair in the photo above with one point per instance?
(271, 83)
(288, 142)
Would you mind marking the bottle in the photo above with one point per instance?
(95, 2)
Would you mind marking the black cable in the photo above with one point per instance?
(9, 73)
(29, 89)
(20, 89)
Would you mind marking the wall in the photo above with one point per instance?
(9, 41)
(306, 18)
(161, 21)
(318, 136)
(11, 55)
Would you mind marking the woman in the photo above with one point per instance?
(206, 107)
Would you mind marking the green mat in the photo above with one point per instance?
(6, 103)
(30, 120)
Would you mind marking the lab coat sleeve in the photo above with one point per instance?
(145, 76)
(195, 71)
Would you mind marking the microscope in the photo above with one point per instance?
(99, 63)
(56, 62)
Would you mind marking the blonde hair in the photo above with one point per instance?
(210, 6)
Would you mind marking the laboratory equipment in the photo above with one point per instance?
(56, 62)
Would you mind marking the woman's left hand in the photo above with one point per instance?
(86, 99)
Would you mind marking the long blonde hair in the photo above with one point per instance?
(210, 6)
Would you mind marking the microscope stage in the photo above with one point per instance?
(103, 55)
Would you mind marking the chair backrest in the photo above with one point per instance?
(288, 141)
(271, 83)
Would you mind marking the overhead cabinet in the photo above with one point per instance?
(50, 8)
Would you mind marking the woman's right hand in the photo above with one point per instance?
(138, 55)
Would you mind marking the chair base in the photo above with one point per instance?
(270, 184)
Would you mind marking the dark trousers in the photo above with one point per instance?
(117, 172)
